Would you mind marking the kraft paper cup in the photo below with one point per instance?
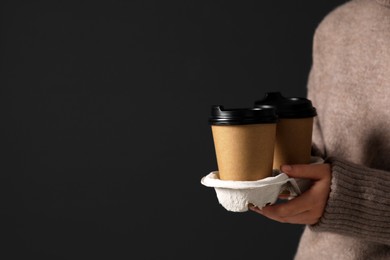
(293, 141)
(294, 129)
(244, 141)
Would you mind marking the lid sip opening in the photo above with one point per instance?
(261, 114)
(288, 107)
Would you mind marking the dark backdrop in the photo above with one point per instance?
(104, 133)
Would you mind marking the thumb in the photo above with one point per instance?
(306, 171)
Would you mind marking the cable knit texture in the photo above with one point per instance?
(349, 84)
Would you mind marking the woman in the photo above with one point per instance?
(347, 209)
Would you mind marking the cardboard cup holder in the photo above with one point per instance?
(237, 195)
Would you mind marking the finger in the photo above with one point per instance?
(290, 208)
(284, 196)
(255, 209)
(307, 171)
(304, 218)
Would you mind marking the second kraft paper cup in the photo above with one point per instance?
(294, 129)
(244, 141)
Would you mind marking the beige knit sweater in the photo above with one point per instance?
(349, 84)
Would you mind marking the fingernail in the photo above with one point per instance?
(286, 168)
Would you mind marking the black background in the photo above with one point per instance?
(104, 133)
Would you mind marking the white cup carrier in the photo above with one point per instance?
(235, 196)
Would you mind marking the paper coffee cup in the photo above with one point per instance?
(244, 141)
(294, 128)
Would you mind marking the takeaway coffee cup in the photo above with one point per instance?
(243, 141)
(294, 128)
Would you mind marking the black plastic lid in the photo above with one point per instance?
(242, 116)
(292, 107)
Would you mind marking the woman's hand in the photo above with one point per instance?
(308, 207)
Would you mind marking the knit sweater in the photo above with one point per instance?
(349, 84)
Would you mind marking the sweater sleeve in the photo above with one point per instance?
(358, 204)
